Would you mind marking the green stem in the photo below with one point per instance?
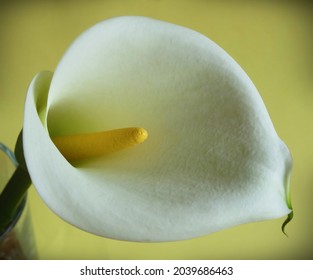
(12, 195)
(16, 188)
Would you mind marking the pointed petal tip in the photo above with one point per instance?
(286, 222)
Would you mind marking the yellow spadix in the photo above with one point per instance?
(81, 146)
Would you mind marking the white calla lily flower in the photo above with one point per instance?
(212, 159)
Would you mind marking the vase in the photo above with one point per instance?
(17, 241)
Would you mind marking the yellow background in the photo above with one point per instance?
(271, 40)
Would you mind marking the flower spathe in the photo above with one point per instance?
(212, 160)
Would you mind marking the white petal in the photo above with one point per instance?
(213, 159)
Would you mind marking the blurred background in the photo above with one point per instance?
(271, 40)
